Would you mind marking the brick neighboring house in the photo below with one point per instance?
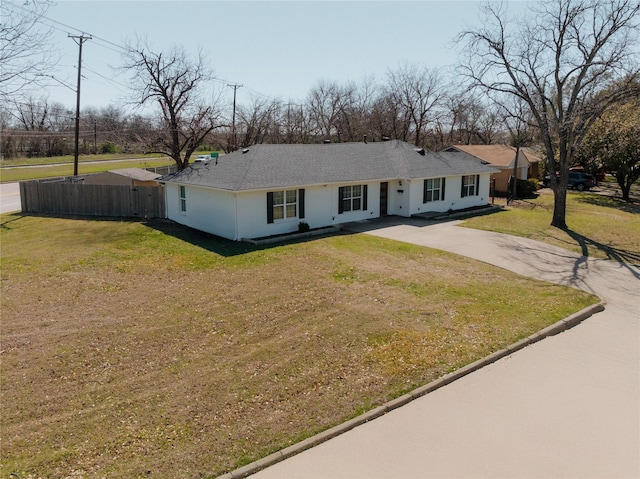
(503, 157)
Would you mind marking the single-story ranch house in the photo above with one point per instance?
(265, 190)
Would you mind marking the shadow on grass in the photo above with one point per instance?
(10, 218)
(216, 244)
(209, 242)
(610, 202)
(203, 240)
(530, 204)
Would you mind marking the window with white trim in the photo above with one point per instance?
(433, 190)
(470, 185)
(285, 205)
(183, 199)
(352, 198)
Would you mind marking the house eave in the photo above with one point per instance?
(327, 184)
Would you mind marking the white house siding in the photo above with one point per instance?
(239, 215)
(373, 204)
(452, 200)
(400, 197)
(212, 211)
(321, 209)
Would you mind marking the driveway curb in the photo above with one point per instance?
(556, 328)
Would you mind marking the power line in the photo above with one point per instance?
(82, 32)
(104, 43)
(110, 80)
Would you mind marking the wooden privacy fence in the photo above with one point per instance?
(65, 198)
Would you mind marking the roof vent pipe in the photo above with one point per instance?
(365, 139)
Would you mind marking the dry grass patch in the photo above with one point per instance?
(129, 352)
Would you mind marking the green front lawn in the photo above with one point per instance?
(150, 350)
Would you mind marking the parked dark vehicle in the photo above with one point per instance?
(599, 174)
(581, 181)
(577, 179)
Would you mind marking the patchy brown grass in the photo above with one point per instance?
(148, 350)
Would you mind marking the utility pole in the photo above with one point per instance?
(79, 39)
(235, 86)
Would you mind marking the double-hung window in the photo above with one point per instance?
(285, 205)
(352, 198)
(183, 199)
(470, 185)
(433, 190)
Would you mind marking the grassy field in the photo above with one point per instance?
(21, 173)
(598, 226)
(54, 160)
(150, 350)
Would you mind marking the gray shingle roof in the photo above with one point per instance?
(136, 174)
(284, 165)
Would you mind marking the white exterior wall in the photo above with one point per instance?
(452, 200)
(239, 215)
(321, 209)
(212, 211)
(399, 202)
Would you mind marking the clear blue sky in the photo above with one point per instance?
(275, 49)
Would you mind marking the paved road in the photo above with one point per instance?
(565, 407)
(9, 197)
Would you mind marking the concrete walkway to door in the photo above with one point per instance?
(565, 407)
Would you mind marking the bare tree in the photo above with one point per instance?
(37, 128)
(419, 92)
(8, 146)
(324, 103)
(173, 82)
(295, 124)
(468, 120)
(388, 119)
(25, 55)
(259, 122)
(560, 60)
(33, 117)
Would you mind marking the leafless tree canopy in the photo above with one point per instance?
(418, 92)
(562, 60)
(174, 83)
(24, 52)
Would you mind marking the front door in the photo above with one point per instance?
(384, 198)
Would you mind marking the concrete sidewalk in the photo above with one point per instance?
(568, 406)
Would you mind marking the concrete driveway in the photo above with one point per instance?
(565, 407)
